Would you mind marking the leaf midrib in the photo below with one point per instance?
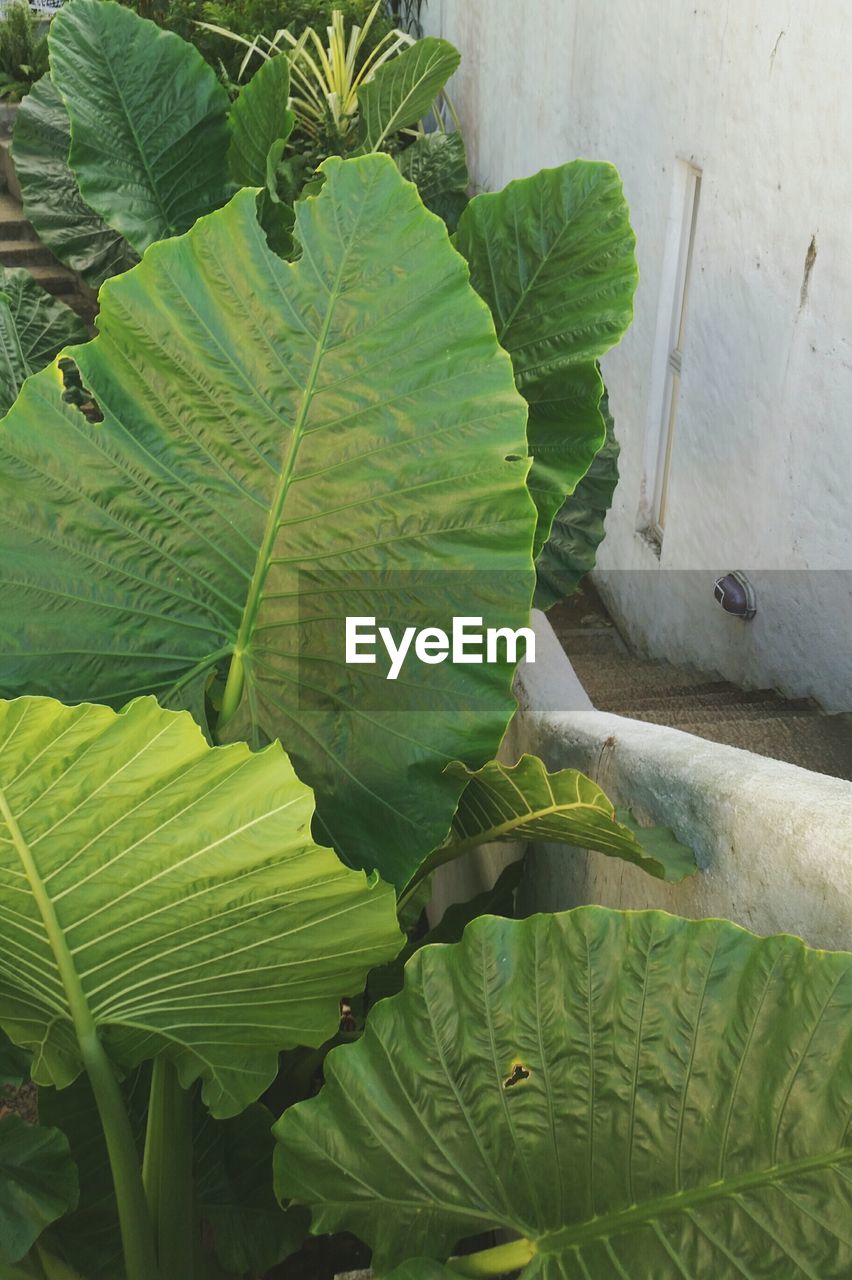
(154, 186)
(520, 820)
(625, 1219)
(273, 520)
(529, 287)
(397, 115)
(78, 1007)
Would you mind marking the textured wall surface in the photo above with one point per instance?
(771, 840)
(757, 94)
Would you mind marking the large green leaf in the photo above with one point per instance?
(260, 117)
(243, 1224)
(173, 891)
(34, 327)
(38, 1183)
(525, 802)
(283, 445)
(403, 89)
(149, 120)
(250, 1232)
(578, 526)
(77, 235)
(14, 1063)
(437, 165)
(89, 1238)
(553, 256)
(641, 1097)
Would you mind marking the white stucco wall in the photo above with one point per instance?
(771, 840)
(757, 93)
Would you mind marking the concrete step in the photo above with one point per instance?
(818, 742)
(686, 714)
(24, 253)
(599, 642)
(8, 177)
(617, 677)
(630, 703)
(13, 224)
(55, 279)
(8, 115)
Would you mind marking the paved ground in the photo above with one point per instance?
(760, 720)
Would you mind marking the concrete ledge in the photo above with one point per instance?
(774, 842)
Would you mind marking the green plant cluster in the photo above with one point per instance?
(23, 51)
(251, 18)
(217, 837)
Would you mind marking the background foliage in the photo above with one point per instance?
(250, 18)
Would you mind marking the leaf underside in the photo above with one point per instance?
(199, 918)
(644, 1097)
(283, 445)
(526, 802)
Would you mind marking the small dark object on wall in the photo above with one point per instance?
(736, 595)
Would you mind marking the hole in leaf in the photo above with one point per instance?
(518, 1074)
(76, 394)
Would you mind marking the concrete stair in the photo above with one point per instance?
(758, 720)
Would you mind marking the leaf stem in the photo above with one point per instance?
(167, 1171)
(136, 1235)
(233, 689)
(494, 1262)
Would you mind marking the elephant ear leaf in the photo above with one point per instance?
(89, 1238)
(69, 227)
(553, 256)
(243, 1225)
(34, 327)
(525, 802)
(249, 1231)
(578, 526)
(14, 1063)
(169, 895)
(260, 118)
(149, 120)
(38, 1183)
(630, 1094)
(281, 442)
(403, 90)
